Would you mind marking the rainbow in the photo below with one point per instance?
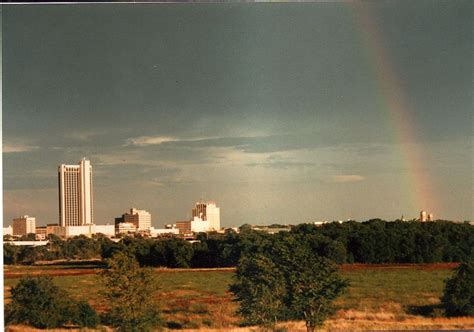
(418, 182)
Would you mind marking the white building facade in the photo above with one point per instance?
(8, 230)
(87, 230)
(198, 225)
(154, 232)
(208, 212)
(75, 194)
(213, 216)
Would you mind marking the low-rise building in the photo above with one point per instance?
(140, 218)
(87, 230)
(125, 228)
(8, 230)
(24, 225)
(154, 232)
(107, 230)
(184, 227)
(41, 233)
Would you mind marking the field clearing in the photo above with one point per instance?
(380, 296)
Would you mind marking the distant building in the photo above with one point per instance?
(50, 228)
(323, 222)
(424, 216)
(75, 194)
(87, 230)
(184, 227)
(213, 216)
(107, 230)
(198, 225)
(41, 233)
(140, 218)
(199, 210)
(24, 225)
(8, 230)
(208, 212)
(154, 232)
(125, 228)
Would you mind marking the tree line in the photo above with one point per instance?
(371, 242)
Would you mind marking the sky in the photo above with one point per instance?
(279, 112)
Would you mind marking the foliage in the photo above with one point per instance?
(260, 289)
(287, 281)
(128, 290)
(313, 284)
(374, 241)
(28, 237)
(82, 314)
(38, 302)
(458, 296)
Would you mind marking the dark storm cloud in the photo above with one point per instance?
(226, 86)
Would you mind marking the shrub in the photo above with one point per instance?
(38, 302)
(458, 296)
(84, 315)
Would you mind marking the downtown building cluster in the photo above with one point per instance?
(76, 213)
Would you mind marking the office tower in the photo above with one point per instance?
(24, 225)
(75, 194)
(140, 218)
(199, 210)
(210, 212)
(213, 216)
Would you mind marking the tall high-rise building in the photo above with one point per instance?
(24, 225)
(210, 212)
(75, 194)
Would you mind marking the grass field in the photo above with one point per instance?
(401, 297)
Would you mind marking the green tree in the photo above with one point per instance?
(313, 284)
(458, 296)
(38, 302)
(260, 288)
(129, 290)
(287, 281)
(10, 254)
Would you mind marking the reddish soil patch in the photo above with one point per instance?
(343, 267)
(214, 269)
(428, 267)
(52, 273)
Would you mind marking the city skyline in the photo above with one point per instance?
(281, 114)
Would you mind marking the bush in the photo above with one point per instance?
(38, 302)
(84, 315)
(458, 296)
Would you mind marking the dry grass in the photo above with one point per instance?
(380, 297)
